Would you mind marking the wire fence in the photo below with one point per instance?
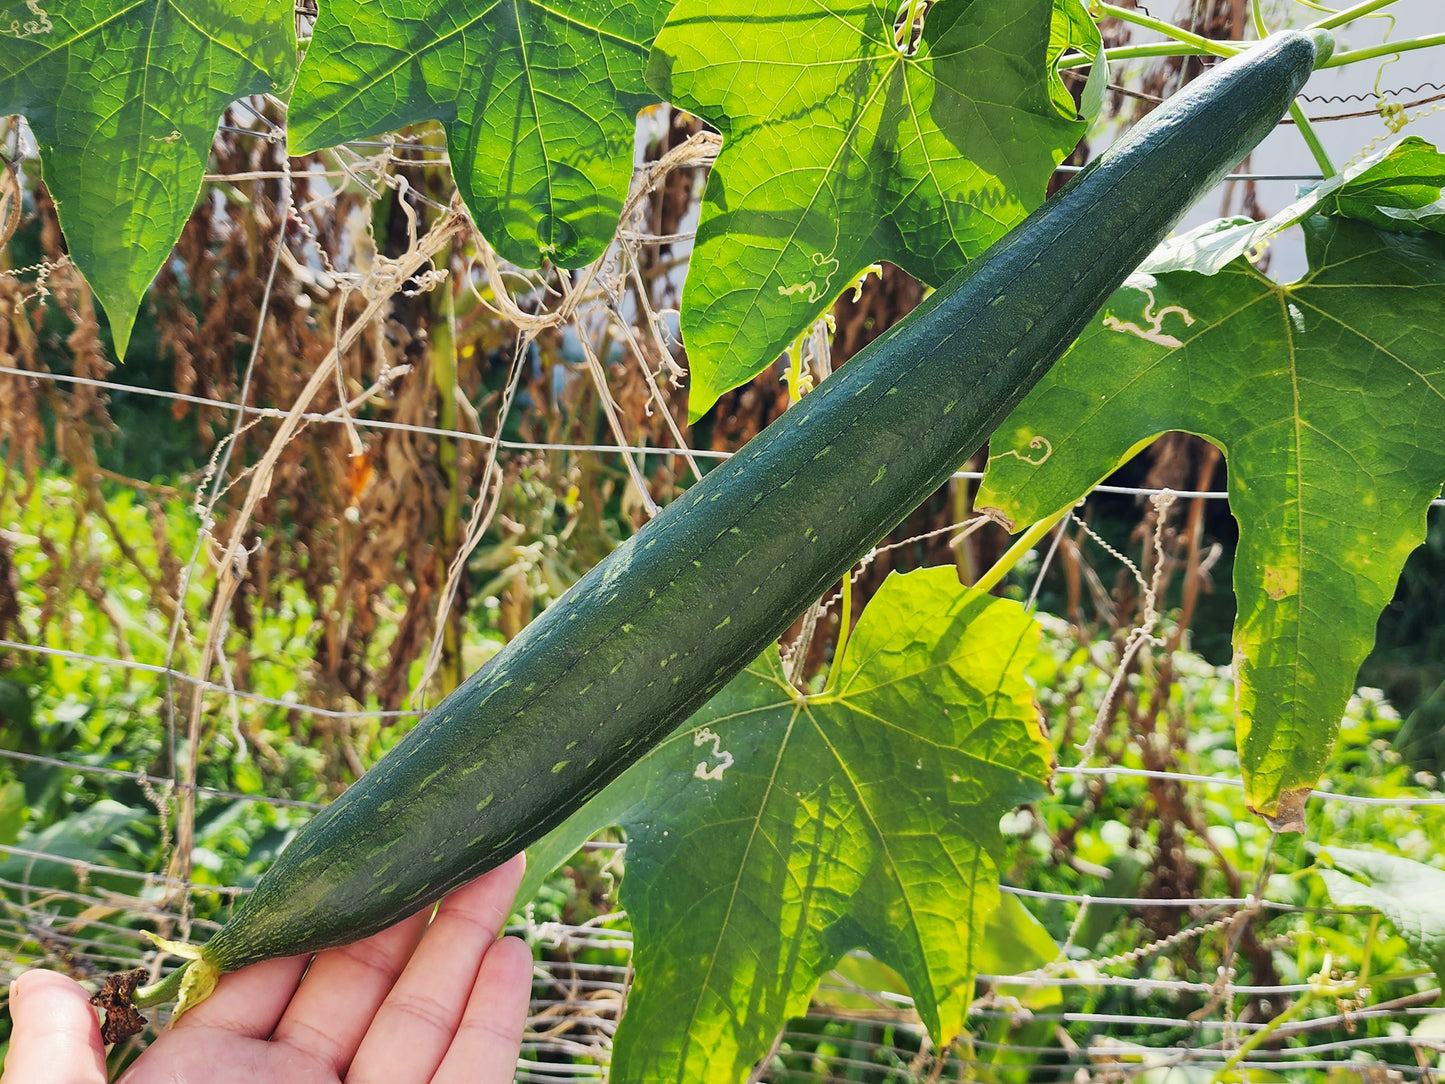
(86, 916)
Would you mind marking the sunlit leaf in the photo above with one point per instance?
(124, 100)
(773, 832)
(841, 149)
(1327, 397)
(539, 103)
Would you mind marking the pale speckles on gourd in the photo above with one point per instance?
(743, 558)
(649, 543)
(384, 806)
(485, 802)
(822, 452)
(879, 476)
(951, 404)
(559, 766)
(724, 623)
(475, 766)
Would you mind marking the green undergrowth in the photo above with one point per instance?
(86, 726)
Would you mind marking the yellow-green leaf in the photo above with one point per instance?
(124, 99)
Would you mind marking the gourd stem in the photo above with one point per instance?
(1015, 553)
(158, 993)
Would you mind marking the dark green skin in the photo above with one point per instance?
(658, 627)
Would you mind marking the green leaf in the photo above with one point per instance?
(539, 103)
(123, 99)
(1326, 397)
(12, 811)
(1396, 189)
(90, 836)
(774, 832)
(1410, 894)
(841, 150)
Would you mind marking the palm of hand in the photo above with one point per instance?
(438, 1003)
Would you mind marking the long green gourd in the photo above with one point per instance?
(658, 627)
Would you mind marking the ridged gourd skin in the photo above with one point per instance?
(658, 627)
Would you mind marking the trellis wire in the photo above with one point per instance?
(523, 445)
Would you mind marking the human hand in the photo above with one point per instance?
(430, 1004)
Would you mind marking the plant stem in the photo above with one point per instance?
(1304, 1002)
(158, 993)
(1136, 52)
(1354, 56)
(845, 620)
(796, 390)
(1312, 140)
(1261, 28)
(1169, 30)
(443, 349)
(1359, 11)
(1004, 565)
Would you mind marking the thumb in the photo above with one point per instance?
(54, 1037)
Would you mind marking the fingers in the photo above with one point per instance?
(248, 1002)
(485, 1048)
(341, 992)
(415, 1025)
(55, 1037)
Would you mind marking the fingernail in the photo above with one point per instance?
(14, 989)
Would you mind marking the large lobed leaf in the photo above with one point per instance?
(774, 832)
(123, 100)
(1327, 396)
(840, 150)
(1409, 894)
(539, 102)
